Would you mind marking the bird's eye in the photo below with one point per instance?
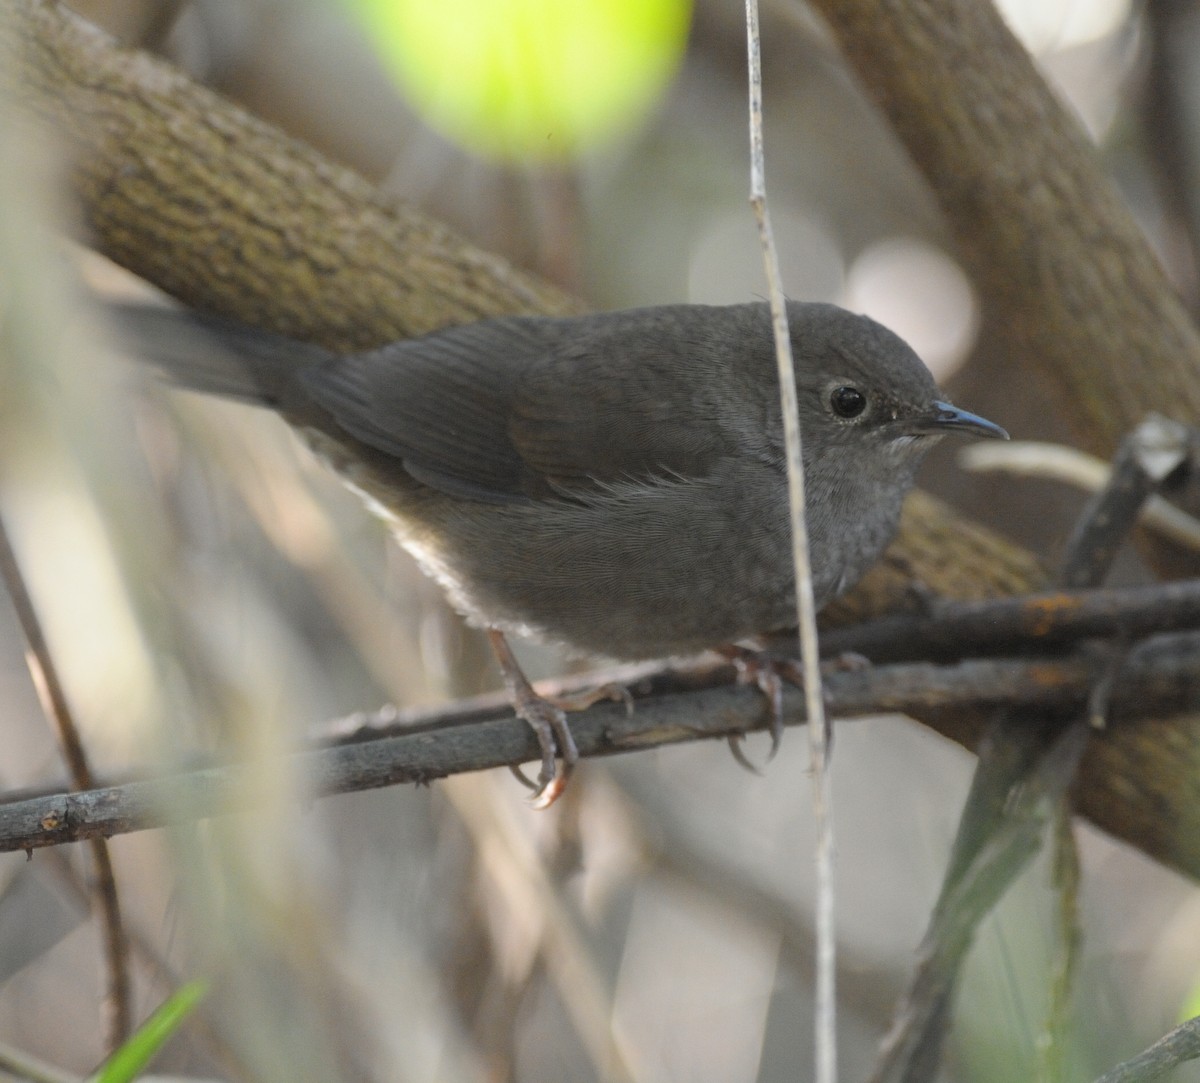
(847, 402)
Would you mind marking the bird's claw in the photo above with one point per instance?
(768, 675)
(740, 757)
(522, 777)
(548, 720)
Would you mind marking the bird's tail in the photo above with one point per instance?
(215, 355)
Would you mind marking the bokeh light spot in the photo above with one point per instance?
(921, 294)
(530, 78)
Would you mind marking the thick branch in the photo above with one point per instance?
(230, 215)
(680, 706)
(1066, 277)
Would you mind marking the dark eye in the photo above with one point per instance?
(847, 401)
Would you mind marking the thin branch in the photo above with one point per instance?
(18, 1065)
(1068, 937)
(1036, 621)
(53, 697)
(1161, 675)
(1030, 458)
(1153, 451)
(1066, 882)
(1173, 1049)
(806, 609)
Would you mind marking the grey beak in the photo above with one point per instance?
(950, 419)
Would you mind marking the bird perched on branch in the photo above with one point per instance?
(612, 483)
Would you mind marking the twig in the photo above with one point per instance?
(1173, 1049)
(24, 1067)
(1069, 939)
(1146, 458)
(1033, 622)
(1073, 467)
(118, 1000)
(806, 611)
(1161, 675)
(1069, 935)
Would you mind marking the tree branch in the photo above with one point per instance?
(1173, 1049)
(671, 707)
(227, 213)
(1067, 279)
(1038, 621)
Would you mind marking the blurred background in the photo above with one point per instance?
(207, 586)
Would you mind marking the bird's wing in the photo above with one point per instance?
(502, 410)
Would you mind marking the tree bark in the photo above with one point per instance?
(1065, 275)
(230, 215)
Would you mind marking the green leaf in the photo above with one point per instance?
(128, 1061)
(1191, 1006)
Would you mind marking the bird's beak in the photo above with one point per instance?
(950, 419)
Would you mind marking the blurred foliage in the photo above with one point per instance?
(128, 1062)
(530, 78)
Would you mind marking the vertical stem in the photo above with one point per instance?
(826, 995)
(118, 1008)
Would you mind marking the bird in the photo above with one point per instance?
(612, 483)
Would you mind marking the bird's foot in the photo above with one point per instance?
(769, 672)
(547, 717)
(559, 753)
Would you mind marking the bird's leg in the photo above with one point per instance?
(548, 720)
